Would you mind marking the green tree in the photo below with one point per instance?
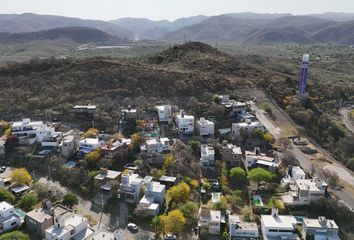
(221, 205)
(15, 235)
(216, 98)
(28, 200)
(93, 156)
(7, 196)
(70, 200)
(156, 224)
(258, 175)
(246, 213)
(237, 174)
(190, 212)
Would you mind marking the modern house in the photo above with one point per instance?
(256, 158)
(242, 230)
(106, 179)
(130, 187)
(232, 155)
(129, 114)
(293, 173)
(210, 220)
(165, 113)
(320, 228)
(305, 191)
(26, 130)
(153, 199)
(205, 128)
(88, 109)
(107, 235)
(168, 181)
(245, 128)
(280, 227)
(48, 137)
(154, 148)
(74, 227)
(70, 143)
(88, 145)
(207, 156)
(232, 107)
(112, 148)
(185, 123)
(8, 217)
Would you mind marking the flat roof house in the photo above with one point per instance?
(74, 227)
(205, 128)
(248, 127)
(232, 107)
(232, 155)
(107, 235)
(320, 229)
(89, 109)
(165, 113)
(242, 230)
(278, 227)
(207, 156)
(185, 123)
(293, 173)
(70, 143)
(210, 219)
(2, 145)
(8, 217)
(130, 187)
(88, 145)
(256, 158)
(112, 148)
(153, 199)
(26, 130)
(129, 114)
(106, 179)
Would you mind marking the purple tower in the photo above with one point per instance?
(303, 80)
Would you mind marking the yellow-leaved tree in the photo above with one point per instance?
(21, 176)
(179, 194)
(173, 222)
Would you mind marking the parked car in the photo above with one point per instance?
(2, 169)
(170, 236)
(132, 227)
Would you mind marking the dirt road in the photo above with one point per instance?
(346, 120)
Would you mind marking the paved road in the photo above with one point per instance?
(342, 173)
(345, 118)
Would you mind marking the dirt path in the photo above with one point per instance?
(346, 120)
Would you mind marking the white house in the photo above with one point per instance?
(28, 132)
(209, 219)
(2, 145)
(207, 156)
(293, 173)
(165, 113)
(91, 109)
(320, 228)
(88, 145)
(242, 230)
(157, 145)
(130, 187)
(8, 217)
(73, 227)
(185, 123)
(276, 226)
(107, 235)
(305, 191)
(70, 143)
(256, 158)
(248, 127)
(152, 200)
(205, 128)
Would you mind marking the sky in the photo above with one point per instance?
(169, 9)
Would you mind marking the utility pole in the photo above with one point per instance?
(99, 224)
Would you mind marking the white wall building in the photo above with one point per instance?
(276, 226)
(255, 158)
(242, 230)
(70, 143)
(320, 229)
(207, 156)
(130, 187)
(154, 198)
(305, 191)
(165, 113)
(8, 218)
(248, 127)
(87, 145)
(232, 107)
(157, 145)
(73, 227)
(185, 123)
(107, 235)
(210, 219)
(26, 130)
(48, 136)
(293, 173)
(205, 128)
(2, 145)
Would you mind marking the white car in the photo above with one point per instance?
(132, 226)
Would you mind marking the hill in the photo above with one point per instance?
(75, 34)
(28, 22)
(147, 29)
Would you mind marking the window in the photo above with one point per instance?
(272, 230)
(13, 224)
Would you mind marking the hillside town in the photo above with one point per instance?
(162, 174)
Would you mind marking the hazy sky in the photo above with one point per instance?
(169, 9)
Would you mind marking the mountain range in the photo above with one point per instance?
(249, 28)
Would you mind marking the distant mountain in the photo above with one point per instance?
(339, 33)
(250, 15)
(75, 34)
(148, 29)
(28, 22)
(335, 16)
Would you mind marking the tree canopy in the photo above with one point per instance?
(173, 222)
(259, 175)
(14, 235)
(237, 174)
(21, 176)
(70, 199)
(179, 193)
(28, 200)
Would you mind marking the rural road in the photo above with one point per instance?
(345, 118)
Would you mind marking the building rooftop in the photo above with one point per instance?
(247, 124)
(163, 107)
(109, 174)
(117, 144)
(278, 221)
(320, 222)
(157, 187)
(69, 224)
(203, 121)
(90, 141)
(297, 170)
(206, 150)
(26, 122)
(154, 141)
(168, 179)
(39, 215)
(310, 184)
(215, 216)
(5, 206)
(103, 235)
